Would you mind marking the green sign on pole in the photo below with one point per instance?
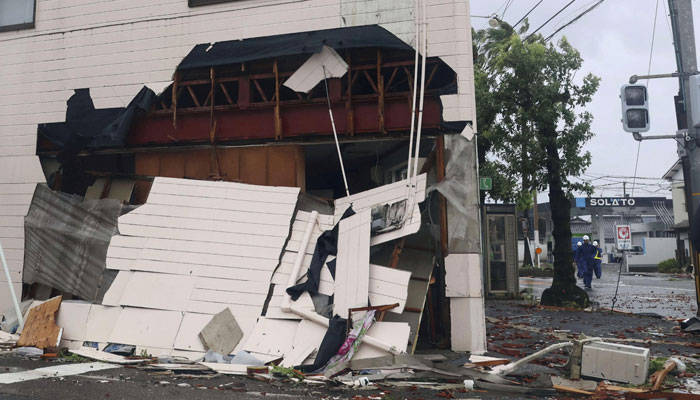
(485, 183)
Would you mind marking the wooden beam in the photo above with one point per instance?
(260, 90)
(244, 93)
(278, 119)
(194, 96)
(174, 99)
(212, 96)
(380, 92)
(370, 80)
(226, 93)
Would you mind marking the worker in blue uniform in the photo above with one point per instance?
(577, 253)
(598, 260)
(587, 260)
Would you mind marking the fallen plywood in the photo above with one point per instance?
(54, 372)
(94, 354)
(40, 329)
(352, 265)
(222, 333)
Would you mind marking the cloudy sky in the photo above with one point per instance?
(615, 42)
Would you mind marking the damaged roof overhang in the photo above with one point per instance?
(243, 119)
(238, 51)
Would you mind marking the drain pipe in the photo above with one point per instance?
(289, 306)
(413, 103)
(15, 303)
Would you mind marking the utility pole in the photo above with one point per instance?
(684, 41)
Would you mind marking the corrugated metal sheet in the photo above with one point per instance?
(66, 240)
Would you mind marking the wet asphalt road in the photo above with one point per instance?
(664, 294)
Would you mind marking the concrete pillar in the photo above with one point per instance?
(463, 265)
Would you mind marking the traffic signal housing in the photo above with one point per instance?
(635, 108)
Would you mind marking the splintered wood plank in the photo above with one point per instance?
(352, 267)
(40, 329)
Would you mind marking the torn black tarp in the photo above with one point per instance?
(237, 51)
(66, 241)
(88, 127)
(327, 244)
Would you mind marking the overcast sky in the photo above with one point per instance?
(615, 41)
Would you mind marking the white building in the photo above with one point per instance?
(50, 48)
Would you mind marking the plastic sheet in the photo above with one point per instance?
(66, 240)
(459, 187)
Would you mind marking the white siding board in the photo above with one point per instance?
(209, 214)
(205, 271)
(352, 267)
(114, 294)
(204, 224)
(203, 235)
(158, 291)
(151, 328)
(101, 321)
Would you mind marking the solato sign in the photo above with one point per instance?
(592, 202)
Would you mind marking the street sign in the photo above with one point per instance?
(623, 239)
(485, 183)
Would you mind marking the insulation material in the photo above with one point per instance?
(352, 266)
(387, 195)
(320, 66)
(66, 242)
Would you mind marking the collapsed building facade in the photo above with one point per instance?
(164, 162)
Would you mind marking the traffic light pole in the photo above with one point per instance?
(684, 40)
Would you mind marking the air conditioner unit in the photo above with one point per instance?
(615, 362)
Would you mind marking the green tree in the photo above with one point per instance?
(533, 126)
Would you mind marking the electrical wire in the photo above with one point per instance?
(528, 13)
(653, 36)
(335, 134)
(503, 15)
(550, 18)
(575, 19)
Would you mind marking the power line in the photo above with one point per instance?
(653, 35)
(550, 18)
(575, 19)
(503, 15)
(528, 13)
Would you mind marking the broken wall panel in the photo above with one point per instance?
(387, 195)
(66, 242)
(220, 265)
(352, 263)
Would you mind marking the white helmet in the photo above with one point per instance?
(585, 237)
(595, 243)
(579, 243)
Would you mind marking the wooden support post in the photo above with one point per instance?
(212, 96)
(440, 170)
(348, 99)
(244, 92)
(176, 77)
(278, 120)
(380, 91)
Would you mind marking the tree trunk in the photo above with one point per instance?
(564, 291)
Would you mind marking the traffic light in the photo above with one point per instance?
(635, 108)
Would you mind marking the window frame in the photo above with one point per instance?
(22, 26)
(199, 3)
